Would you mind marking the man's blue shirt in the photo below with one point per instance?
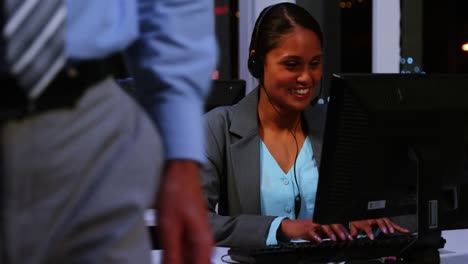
(171, 51)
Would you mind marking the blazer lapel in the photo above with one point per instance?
(246, 163)
(245, 153)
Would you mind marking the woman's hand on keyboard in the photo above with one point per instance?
(385, 225)
(308, 230)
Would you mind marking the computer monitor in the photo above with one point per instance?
(225, 92)
(395, 145)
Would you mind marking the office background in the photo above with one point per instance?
(380, 36)
(408, 36)
(363, 36)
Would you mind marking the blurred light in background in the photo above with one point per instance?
(465, 47)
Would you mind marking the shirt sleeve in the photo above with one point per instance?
(172, 61)
(271, 236)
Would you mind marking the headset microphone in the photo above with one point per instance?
(317, 98)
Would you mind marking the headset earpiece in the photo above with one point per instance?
(255, 63)
(317, 98)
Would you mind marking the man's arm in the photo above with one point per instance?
(172, 62)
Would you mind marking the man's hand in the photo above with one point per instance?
(185, 234)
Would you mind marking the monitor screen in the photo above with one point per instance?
(225, 92)
(395, 145)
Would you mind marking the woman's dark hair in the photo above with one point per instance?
(273, 23)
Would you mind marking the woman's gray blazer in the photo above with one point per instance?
(231, 177)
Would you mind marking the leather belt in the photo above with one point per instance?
(63, 92)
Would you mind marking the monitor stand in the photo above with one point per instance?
(429, 182)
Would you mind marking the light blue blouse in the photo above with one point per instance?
(278, 189)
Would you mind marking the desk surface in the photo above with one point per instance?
(219, 253)
(454, 252)
(456, 248)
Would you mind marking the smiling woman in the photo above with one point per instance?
(263, 153)
(292, 71)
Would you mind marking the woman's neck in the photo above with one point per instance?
(273, 117)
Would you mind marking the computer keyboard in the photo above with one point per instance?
(327, 251)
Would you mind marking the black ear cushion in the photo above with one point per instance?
(255, 66)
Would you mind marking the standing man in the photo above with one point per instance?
(80, 161)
